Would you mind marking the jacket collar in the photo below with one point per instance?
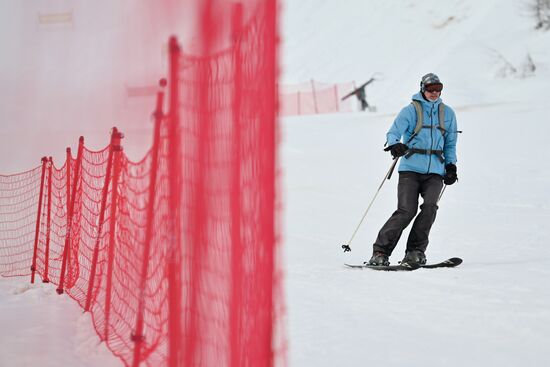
(425, 103)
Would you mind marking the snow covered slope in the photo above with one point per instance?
(495, 308)
(492, 310)
(40, 328)
(464, 41)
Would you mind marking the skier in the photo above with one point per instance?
(429, 161)
(361, 95)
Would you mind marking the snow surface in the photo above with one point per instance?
(40, 328)
(492, 310)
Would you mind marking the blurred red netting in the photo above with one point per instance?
(175, 256)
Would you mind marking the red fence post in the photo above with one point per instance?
(138, 336)
(269, 167)
(68, 200)
(71, 194)
(336, 101)
(104, 194)
(314, 97)
(117, 155)
(38, 216)
(299, 107)
(46, 278)
(174, 261)
(68, 165)
(235, 197)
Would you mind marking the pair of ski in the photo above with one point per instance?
(450, 263)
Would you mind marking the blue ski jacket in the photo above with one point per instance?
(427, 138)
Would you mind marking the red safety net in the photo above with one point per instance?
(19, 196)
(176, 256)
(315, 97)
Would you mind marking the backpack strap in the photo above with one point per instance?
(437, 153)
(419, 116)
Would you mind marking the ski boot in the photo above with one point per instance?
(414, 258)
(379, 259)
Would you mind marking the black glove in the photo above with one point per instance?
(450, 174)
(397, 150)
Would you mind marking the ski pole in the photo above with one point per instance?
(388, 175)
(442, 191)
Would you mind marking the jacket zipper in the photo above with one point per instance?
(431, 137)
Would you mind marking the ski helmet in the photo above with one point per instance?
(429, 79)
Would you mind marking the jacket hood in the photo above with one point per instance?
(418, 97)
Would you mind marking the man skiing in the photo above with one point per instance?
(429, 151)
(362, 97)
(361, 94)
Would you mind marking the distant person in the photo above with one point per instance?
(429, 162)
(361, 95)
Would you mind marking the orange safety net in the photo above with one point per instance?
(175, 256)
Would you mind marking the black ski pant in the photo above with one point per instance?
(410, 186)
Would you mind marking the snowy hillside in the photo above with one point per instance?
(492, 310)
(404, 39)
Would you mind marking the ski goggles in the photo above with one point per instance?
(434, 88)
